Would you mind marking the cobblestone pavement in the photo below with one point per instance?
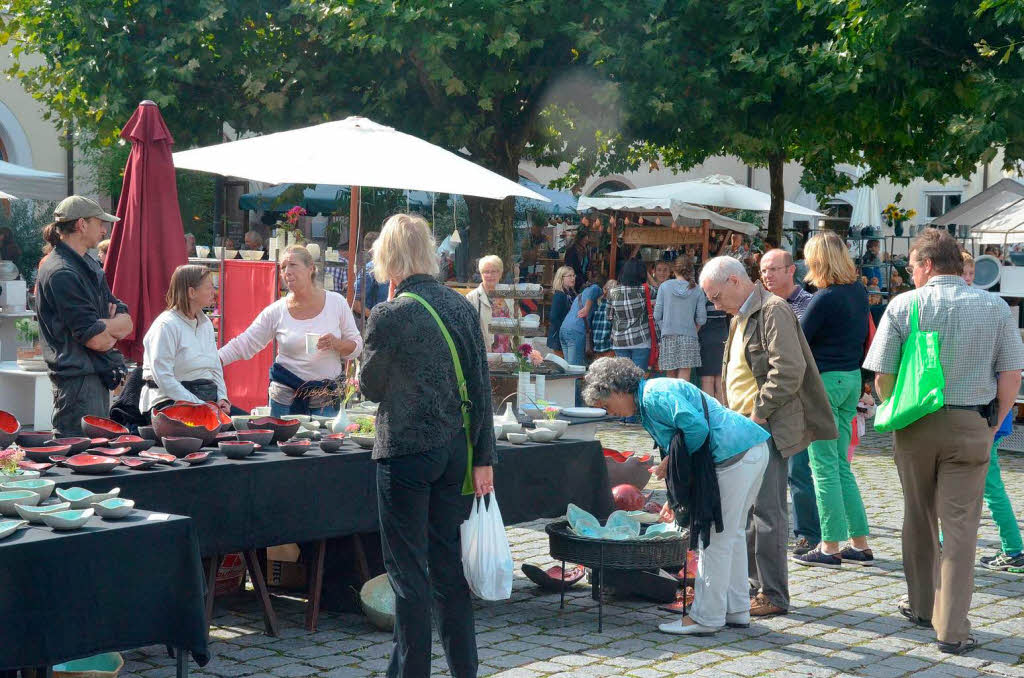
(843, 623)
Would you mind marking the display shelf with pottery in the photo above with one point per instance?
(34, 514)
(44, 488)
(72, 519)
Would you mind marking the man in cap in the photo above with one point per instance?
(80, 320)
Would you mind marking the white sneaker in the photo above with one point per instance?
(677, 628)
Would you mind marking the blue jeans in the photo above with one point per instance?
(278, 410)
(639, 356)
(805, 506)
(574, 346)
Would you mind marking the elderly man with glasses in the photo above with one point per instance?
(770, 376)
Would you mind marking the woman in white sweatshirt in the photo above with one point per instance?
(180, 360)
(301, 381)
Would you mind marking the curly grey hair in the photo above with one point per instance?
(611, 375)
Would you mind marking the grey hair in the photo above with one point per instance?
(719, 269)
(611, 375)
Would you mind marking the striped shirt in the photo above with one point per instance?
(799, 300)
(979, 337)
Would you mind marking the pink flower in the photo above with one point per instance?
(352, 428)
(536, 358)
(525, 350)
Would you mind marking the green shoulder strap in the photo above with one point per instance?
(467, 482)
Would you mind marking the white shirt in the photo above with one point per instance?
(276, 322)
(178, 349)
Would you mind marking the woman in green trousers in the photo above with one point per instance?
(836, 326)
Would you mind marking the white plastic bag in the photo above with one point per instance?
(486, 557)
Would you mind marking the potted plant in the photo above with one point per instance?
(28, 333)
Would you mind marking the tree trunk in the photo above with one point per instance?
(776, 164)
(490, 228)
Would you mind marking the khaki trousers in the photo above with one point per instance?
(942, 460)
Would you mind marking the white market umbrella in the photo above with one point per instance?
(676, 208)
(717, 190)
(30, 184)
(352, 152)
(867, 212)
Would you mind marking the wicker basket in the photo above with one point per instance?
(633, 554)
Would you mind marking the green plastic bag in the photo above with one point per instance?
(919, 383)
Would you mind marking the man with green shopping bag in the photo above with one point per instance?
(941, 438)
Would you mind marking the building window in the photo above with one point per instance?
(940, 203)
(608, 187)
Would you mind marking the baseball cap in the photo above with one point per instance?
(79, 207)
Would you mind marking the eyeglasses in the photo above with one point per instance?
(771, 269)
(714, 298)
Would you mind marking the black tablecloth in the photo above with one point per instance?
(270, 499)
(109, 586)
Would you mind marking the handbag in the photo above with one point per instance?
(919, 383)
(467, 481)
(652, 362)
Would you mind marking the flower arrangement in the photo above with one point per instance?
(527, 356)
(550, 411)
(290, 224)
(9, 460)
(362, 426)
(895, 214)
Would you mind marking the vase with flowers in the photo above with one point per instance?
(895, 216)
(9, 460)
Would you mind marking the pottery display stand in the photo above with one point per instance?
(602, 554)
(26, 395)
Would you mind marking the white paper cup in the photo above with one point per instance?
(311, 340)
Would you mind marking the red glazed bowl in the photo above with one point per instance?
(77, 444)
(91, 463)
(182, 446)
(137, 462)
(161, 457)
(43, 454)
(134, 443)
(189, 420)
(99, 427)
(34, 438)
(9, 429)
(283, 429)
(110, 451)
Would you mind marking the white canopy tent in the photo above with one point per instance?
(995, 216)
(717, 190)
(676, 208)
(30, 184)
(352, 152)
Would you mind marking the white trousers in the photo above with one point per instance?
(721, 585)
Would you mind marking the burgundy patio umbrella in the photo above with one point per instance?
(149, 241)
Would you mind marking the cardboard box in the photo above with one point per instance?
(286, 575)
(286, 553)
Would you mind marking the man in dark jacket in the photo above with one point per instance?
(80, 320)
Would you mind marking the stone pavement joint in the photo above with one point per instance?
(843, 623)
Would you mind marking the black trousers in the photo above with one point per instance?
(421, 508)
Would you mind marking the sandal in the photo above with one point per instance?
(958, 648)
(904, 607)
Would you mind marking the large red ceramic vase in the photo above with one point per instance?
(192, 420)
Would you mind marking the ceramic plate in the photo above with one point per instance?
(584, 412)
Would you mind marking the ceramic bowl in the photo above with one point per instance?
(333, 442)
(68, 520)
(311, 425)
(135, 444)
(114, 508)
(218, 252)
(190, 420)
(559, 426)
(106, 665)
(230, 254)
(196, 458)
(44, 488)
(9, 429)
(81, 498)
(284, 429)
(27, 470)
(34, 438)
(516, 438)
(43, 454)
(202, 251)
(305, 434)
(514, 427)
(181, 446)
(9, 500)
(227, 437)
(295, 448)
(138, 463)
(160, 457)
(260, 436)
(91, 464)
(236, 450)
(76, 445)
(377, 599)
(541, 435)
(251, 255)
(147, 433)
(9, 527)
(241, 422)
(100, 427)
(364, 441)
(34, 514)
(111, 451)
(554, 578)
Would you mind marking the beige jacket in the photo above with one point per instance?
(482, 303)
(791, 395)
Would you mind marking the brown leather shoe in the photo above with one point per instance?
(760, 606)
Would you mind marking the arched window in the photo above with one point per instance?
(608, 187)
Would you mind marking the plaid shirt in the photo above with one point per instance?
(979, 337)
(338, 272)
(627, 311)
(601, 328)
